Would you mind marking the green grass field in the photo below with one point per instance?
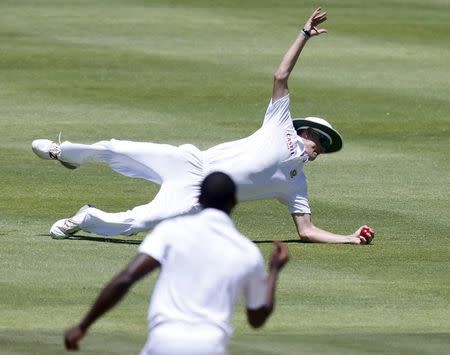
(201, 72)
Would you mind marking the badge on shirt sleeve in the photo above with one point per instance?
(293, 173)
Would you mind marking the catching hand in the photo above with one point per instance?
(72, 337)
(364, 235)
(280, 255)
(316, 19)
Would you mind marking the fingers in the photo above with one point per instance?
(316, 11)
(278, 244)
(317, 15)
(72, 337)
(366, 234)
(362, 240)
(366, 231)
(317, 31)
(316, 19)
(70, 344)
(280, 247)
(281, 252)
(319, 18)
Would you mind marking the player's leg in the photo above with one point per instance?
(151, 161)
(170, 201)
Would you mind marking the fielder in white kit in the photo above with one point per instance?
(267, 164)
(198, 285)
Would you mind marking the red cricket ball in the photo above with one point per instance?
(365, 232)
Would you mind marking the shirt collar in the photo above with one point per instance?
(303, 156)
(217, 215)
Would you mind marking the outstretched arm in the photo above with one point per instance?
(308, 232)
(114, 291)
(280, 86)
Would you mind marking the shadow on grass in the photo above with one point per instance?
(106, 239)
(139, 241)
(134, 241)
(98, 239)
(289, 241)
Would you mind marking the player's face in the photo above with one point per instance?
(316, 143)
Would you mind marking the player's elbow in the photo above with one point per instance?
(305, 239)
(305, 234)
(281, 76)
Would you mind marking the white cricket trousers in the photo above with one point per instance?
(181, 338)
(179, 171)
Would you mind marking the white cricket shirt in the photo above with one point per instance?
(267, 164)
(205, 264)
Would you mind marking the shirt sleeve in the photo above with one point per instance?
(256, 287)
(298, 204)
(297, 198)
(156, 244)
(279, 113)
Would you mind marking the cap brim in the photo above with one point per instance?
(336, 139)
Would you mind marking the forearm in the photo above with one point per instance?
(279, 258)
(314, 234)
(271, 287)
(280, 86)
(258, 317)
(114, 291)
(290, 58)
(272, 278)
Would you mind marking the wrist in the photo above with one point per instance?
(353, 240)
(84, 325)
(305, 33)
(274, 269)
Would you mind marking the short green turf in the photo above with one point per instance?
(200, 71)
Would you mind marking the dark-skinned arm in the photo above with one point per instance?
(113, 292)
(257, 317)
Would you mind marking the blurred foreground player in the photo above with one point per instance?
(205, 264)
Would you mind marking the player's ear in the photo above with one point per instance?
(230, 204)
(302, 133)
(233, 202)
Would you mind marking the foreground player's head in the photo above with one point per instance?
(218, 191)
(319, 134)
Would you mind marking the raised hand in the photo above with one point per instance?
(315, 20)
(280, 255)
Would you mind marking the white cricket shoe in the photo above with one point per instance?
(63, 229)
(66, 227)
(49, 150)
